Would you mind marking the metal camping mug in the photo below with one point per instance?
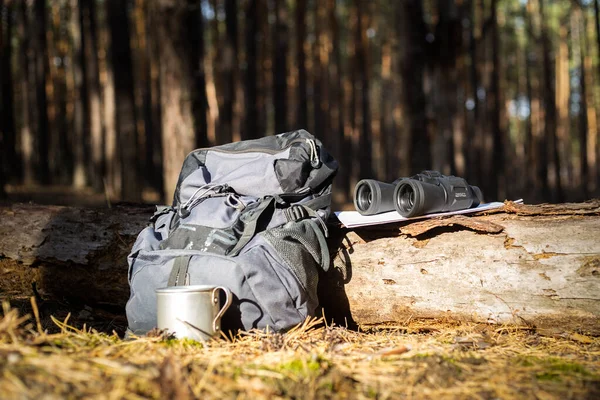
(191, 311)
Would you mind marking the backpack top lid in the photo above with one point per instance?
(292, 165)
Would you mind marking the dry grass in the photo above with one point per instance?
(421, 360)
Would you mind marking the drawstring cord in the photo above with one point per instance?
(233, 200)
(314, 153)
(196, 197)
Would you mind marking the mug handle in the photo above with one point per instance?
(216, 326)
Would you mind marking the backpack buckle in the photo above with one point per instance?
(296, 213)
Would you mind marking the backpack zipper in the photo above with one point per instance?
(311, 142)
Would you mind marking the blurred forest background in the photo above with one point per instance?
(104, 98)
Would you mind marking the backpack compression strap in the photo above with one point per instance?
(251, 219)
(179, 275)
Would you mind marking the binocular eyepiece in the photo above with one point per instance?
(425, 193)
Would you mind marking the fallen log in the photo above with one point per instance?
(527, 265)
(540, 267)
(79, 254)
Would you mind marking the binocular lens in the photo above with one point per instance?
(373, 197)
(406, 198)
(364, 198)
(409, 198)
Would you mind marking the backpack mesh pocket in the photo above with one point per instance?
(300, 245)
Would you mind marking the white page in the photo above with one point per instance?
(353, 219)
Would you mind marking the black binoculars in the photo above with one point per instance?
(425, 193)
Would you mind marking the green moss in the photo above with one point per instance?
(304, 367)
(553, 368)
(300, 367)
(569, 367)
(371, 393)
(420, 356)
(547, 376)
(327, 386)
(185, 342)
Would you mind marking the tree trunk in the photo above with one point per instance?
(153, 90)
(529, 140)
(26, 136)
(388, 163)
(596, 151)
(62, 102)
(301, 96)
(320, 75)
(143, 66)
(126, 118)
(251, 130)
(343, 149)
(530, 265)
(81, 126)
(365, 157)
(182, 85)
(41, 67)
(498, 185)
(563, 91)
(475, 138)
(95, 142)
(583, 114)
(597, 25)
(8, 153)
(549, 110)
(280, 50)
(412, 40)
(229, 64)
(587, 136)
(447, 45)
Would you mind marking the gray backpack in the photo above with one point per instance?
(250, 216)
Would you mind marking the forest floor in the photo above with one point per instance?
(427, 359)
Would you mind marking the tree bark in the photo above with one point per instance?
(62, 102)
(529, 139)
(498, 158)
(81, 123)
(26, 136)
(584, 134)
(302, 96)
(41, 67)
(280, 50)
(96, 140)
(447, 45)
(343, 146)
(365, 157)
(475, 124)
(182, 85)
(152, 55)
(126, 118)
(596, 151)
(549, 109)
(251, 130)
(597, 26)
(8, 152)
(412, 40)
(530, 265)
(226, 132)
